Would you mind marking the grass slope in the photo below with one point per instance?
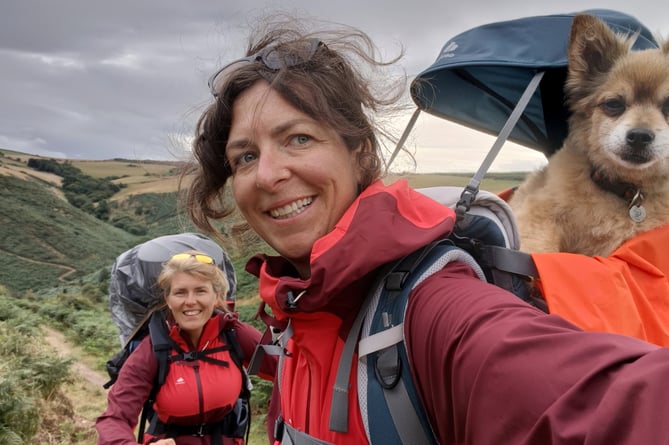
(45, 238)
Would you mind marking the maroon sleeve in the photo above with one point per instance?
(126, 397)
(492, 369)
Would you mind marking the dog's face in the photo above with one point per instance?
(619, 101)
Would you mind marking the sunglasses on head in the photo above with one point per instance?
(273, 57)
(200, 257)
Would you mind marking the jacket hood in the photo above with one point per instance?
(383, 224)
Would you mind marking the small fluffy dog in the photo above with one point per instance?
(610, 179)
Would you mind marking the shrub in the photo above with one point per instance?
(28, 374)
(19, 415)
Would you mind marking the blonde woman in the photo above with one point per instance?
(201, 401)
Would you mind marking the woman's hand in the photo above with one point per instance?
(165, 442)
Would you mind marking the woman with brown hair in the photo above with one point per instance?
(290, 131)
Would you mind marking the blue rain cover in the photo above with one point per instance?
(481, 73)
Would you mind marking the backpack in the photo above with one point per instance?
(133, 299)
(132, 283)
(485, 238)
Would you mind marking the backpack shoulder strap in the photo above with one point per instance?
(162, 345)
(160, 341)
(239, 424)
(229, 334)
(384, 381)
(385, 384)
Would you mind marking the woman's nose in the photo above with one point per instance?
(190, 298)
(273, 169)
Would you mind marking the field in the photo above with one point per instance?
(493, 182)
(123, 168)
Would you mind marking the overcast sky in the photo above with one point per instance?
(89, 79)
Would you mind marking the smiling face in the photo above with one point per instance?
(292, 176)
(192, 300)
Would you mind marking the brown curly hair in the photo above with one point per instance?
(328, 87)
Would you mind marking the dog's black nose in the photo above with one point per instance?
(640, 137)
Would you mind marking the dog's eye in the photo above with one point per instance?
(665, 107)
(613, 107)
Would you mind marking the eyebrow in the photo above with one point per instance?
(241, 144)
(290, 124)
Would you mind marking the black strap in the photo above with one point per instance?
(160, 340)
(146, 410)
(163, 345)
(236, 423)
(201, 355)
(213, 430)
(507, 260)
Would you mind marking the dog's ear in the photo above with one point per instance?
(593, 49)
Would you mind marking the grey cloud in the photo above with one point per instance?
(97, 80)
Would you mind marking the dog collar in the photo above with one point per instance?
(625, 190)
(631, 193)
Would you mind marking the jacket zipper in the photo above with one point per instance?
(200, 395)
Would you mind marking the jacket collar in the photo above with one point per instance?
(383, 224)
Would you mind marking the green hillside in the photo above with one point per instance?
(45, 238)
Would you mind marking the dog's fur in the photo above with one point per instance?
(619, 133)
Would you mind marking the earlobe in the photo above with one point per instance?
(367, 164)
(362, 153)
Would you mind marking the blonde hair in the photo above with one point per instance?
(191, 265)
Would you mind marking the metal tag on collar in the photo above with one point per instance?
(637, 212)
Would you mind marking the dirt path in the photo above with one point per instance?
(65, 349)
(68, 270)
(82, 399)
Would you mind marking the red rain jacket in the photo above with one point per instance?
(179, 397)
(489, 368)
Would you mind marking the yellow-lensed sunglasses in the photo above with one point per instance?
(200, 257)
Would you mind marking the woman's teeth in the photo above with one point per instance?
(292, 209)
